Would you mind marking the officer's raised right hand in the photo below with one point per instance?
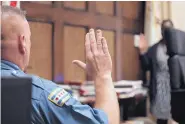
(98, 59)
(99, 66)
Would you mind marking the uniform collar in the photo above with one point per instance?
(8, 65)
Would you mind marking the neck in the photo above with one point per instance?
(14, 59)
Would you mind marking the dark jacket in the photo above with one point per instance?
(149, 63)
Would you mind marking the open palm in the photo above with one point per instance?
(98, 59)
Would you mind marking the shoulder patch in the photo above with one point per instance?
(59, 96)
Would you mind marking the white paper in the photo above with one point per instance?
(136, 40)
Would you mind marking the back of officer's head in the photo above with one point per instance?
(15, 36)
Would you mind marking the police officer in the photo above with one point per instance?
(50, 103)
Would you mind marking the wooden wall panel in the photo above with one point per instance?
(74, 39)
(41, 50)
(130, 58)
(42, 2)
(105, 7)
(110, 37)
(80, 5)
(131, 9)
(109, 18)
(130, 25)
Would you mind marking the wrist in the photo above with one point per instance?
(103, 77)
(103, 80)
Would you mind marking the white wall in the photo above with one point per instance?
(155, 13)
(158, 10)
(178, 14)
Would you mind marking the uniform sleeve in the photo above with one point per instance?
(70, 112)
(36, 117)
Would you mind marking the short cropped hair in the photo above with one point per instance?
(166, 21)
(9, 10)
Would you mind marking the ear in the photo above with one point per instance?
(22, 44)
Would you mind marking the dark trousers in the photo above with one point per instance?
(178, 106)
(160, 121)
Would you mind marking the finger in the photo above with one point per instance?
(92, 41)
(99, 36)
(105, 46)
(79, 64)
(87, 46)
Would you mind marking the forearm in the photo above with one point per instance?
(106, 98)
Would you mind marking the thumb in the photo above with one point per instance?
(79, 64)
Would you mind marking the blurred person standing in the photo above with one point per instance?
(155, 60)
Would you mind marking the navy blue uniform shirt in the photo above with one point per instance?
(53, 105)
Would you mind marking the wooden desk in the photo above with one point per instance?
(126, 101)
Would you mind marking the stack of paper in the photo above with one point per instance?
(86, 91)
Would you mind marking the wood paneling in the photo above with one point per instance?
(131, 9)
(130, 25)
(105, 7)
(110, 37)
(74, 39)
(79, 5)
(130, 58)
(41, 50)
(121, 17)
(42, 2)
(71, 17)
